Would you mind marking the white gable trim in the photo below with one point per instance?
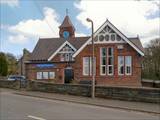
(65, 43)
(117, 31)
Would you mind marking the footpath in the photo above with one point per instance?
(109, 103)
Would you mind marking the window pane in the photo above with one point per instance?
(110, 61)
(110, 70)
(39, 75)
(120, 65)
(110, 51)
(51, 75)
(85, 65)
(128, 64)
(113, 37)
(107, 37)
(128, 60)
(104, 61)
(45, 75)
(103, 69)
(101, 38)
(103, 52)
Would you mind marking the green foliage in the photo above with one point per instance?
(3, 65)
(12, 63)
(151, 63)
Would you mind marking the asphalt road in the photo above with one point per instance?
(19, 107)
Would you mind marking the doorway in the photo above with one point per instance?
(68, 75)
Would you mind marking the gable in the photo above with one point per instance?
(108, 35)
(62, 48)
(109, 30)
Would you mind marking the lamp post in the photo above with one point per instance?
(93, 74)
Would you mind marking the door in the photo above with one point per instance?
(68, 75)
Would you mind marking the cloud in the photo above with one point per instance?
(46, 27)
(18, 39)
(130, 17)
(11, 3)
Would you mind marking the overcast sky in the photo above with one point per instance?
(24, 21)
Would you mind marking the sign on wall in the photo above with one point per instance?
(45, 65)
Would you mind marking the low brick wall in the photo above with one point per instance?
(10, 84)
(80, 90)
(130, 94)
(122, 93)
(151, 83)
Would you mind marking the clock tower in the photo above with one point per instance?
(66, 29)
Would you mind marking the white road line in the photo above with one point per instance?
(34, 117)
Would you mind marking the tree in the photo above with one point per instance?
(151, 63)
(12, 63)
(3, 65)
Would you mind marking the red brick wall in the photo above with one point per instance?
(124, 80)
(59, 72)
(129, 80)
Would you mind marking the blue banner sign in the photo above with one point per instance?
(45, 65)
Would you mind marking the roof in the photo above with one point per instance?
(136, 41)
(67, 23)
(47, 46)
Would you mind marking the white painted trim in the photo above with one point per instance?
(65, 43)
(116, 30)
(129, 66)
(101, 62)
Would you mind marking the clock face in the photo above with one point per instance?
(65, 34)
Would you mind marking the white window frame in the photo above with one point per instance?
(89, 65)
(39, 75)
(130, 65)
(101, 61)
(119, 65)
(46, 77)
(85, 65)
(110, 56)
(53, 73)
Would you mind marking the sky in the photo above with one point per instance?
(23, 22)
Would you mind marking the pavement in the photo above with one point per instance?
(16, 106)
(110, 103)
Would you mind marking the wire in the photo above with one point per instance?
(38, 7)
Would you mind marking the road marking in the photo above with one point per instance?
(34, 117)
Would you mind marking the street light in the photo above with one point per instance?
(93, 74)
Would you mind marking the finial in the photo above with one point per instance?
(66, 11)
(106, 19)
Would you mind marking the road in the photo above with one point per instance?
(19, 107)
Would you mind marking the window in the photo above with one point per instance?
(103, 61)
(51, 75)
(120, 65)
(128, 64)
(107, 37)
(66, 53)
(106, 61)
(110, 60)
(101, 37)
(45, 75)
(39, 75)
(87, 65)
(113, 37)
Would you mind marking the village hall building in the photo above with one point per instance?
(68, 58)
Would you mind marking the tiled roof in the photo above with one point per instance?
(67, 23)
(47, 46)
(136, 41)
